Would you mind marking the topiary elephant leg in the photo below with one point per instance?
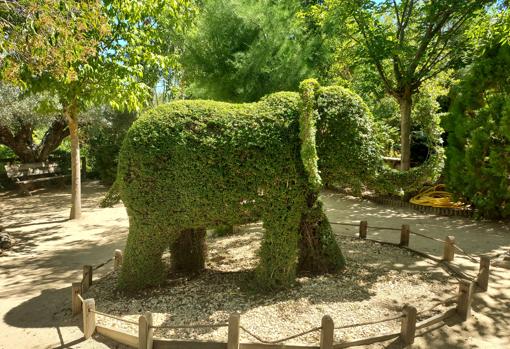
(319, 252)
(142, 265)
(279, 249)
(188, 251)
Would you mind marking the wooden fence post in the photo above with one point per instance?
(117, 260)
(464, 299)
(327, 332)
(449, 248)
(89, 318)
(483, 275)
(150, 333)
(363, 227)
(87, 278)
(75, 301)
(145, 332)
(404, 235)
(408, 326)
(234, 322)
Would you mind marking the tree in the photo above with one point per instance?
(89, 52)
(21, 116)
(478, 151)
(241, 50)
(104, 139)
(408, 42)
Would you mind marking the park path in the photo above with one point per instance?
(35, 276)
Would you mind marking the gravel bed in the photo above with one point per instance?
(378, 281)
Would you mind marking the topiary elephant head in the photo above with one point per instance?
(191, 165)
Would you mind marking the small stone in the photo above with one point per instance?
(6, 241)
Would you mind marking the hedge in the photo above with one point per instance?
(190, 165)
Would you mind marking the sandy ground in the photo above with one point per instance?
(35, 277)
(378, 281)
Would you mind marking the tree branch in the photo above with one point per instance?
(377, 63)
(53, 137)
(434, 58)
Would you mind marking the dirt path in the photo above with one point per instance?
(49, 254)
(35, 276)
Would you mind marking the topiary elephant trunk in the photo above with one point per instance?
(191, 165)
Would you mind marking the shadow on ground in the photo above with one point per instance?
(51, 251)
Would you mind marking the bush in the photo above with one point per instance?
(346, 142)
(478, 152)
(400, 183)
(104, 139)
(191, 165)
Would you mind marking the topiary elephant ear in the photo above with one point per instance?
(348, 153)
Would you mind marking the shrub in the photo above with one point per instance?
(346, 142)
(191, 165)
(478, 152)
(104, 139)
(396, 182)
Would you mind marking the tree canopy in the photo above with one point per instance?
(408, 42)
(89, 52)
(22, 115)
(240, 50)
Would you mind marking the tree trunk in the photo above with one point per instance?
(406, 103)
(71, 112)
(53, 137)
(23, 146)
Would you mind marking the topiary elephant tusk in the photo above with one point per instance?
(191, 165)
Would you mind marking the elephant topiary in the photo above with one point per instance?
(191, 165)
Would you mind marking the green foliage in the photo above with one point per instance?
(478, 152)
(241, 50)
(396, 182)
(202, 162)
(90, 53)
(31, 125)
(224, 230)
(48, 37)
(104, 138)
(110, 52)
(489, 27)
(308, 130)
(346, 144)
(18, 110)
(406, 42)
(112, 197)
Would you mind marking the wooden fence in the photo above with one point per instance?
(459, 304)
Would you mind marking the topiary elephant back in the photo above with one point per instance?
(191, 165)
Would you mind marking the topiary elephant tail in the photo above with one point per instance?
(307, 130)
(112, 197)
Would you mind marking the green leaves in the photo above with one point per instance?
(308, 130)
(241, 50)
(195, 164)
(92, 51)
(478, 152)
